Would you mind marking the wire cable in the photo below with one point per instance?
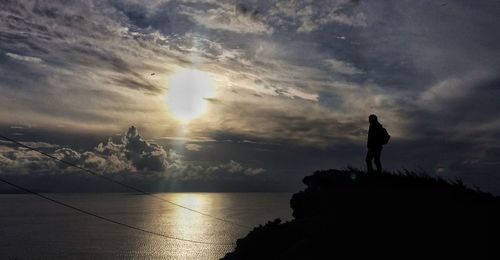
(108, 219)
(102, 176)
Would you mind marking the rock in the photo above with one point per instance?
(350, 214)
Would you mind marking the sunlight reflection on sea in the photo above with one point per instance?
(50, 231)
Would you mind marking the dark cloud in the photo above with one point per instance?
(298, 73)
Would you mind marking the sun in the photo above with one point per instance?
(187, 93)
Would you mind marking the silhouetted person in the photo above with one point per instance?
(377, 136)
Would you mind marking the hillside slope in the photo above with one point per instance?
(350, 214)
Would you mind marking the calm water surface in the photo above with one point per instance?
(32, 228)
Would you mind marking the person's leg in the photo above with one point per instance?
(369, 157)
(377, 153)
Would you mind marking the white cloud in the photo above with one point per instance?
(342, 67)
(130, 154)
(193, 147)
(228, 17)
(23, 58)
(252, 172)
(235, 167)
(437, 96)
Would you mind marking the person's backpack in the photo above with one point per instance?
(384, 138)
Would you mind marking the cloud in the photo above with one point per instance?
(130, 154)
(193, 147)
(234, 167)
(36, 144)
(23, 58)
(198, 139)
(22, 161)
(299, 73)
(309, 16)
(108, 50)
(342, 67)
(229, 17)
(141, 155)
(439, 95)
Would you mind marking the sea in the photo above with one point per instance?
(34, 228)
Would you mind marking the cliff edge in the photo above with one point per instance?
(351, 214)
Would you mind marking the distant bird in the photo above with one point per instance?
(152, 74)
(443, 4)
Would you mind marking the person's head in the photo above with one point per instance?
(372, 119)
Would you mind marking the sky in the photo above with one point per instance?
(229, 95)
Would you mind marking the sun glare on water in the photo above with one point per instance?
(186, 94)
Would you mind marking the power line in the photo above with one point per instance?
(108, 219)
(102, 176)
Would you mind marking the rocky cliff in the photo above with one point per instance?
(350, 214)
